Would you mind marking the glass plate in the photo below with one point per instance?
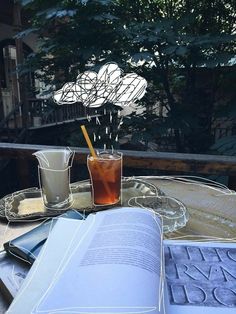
(28, 205)
(172, 212)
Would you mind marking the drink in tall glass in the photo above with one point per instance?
(105, 173)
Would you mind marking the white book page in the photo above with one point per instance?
(48, 263)
(206, 271)
(115, 269)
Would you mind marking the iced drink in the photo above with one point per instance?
(105, 173)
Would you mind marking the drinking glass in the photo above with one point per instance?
(54, 177)
(105, 173)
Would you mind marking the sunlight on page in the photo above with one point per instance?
(115, 269)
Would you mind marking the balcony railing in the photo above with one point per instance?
(42, 114)
(182, 164)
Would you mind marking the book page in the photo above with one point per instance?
(116, 268)
(47, 264)
(201, 277)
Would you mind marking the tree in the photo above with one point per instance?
(170, 43)
(174, 49)
(72, 34)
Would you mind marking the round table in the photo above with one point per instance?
(211, 208)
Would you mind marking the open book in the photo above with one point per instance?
(112, 263)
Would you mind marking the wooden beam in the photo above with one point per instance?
(184, 163)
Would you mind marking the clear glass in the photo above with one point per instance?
(173, 213)
(54, 177)
(55, 186)
(105, 174)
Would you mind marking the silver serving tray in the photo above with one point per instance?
(28, 205)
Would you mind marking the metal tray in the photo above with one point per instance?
(28, 205)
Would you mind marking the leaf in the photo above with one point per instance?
(84, 2)
(209, 40)
(31, 55)
(25, 2)
(181, 51)
(60, 13)
(48, 49)
(105, 16)
(142, 56)
(25, 33)
(170, 50)
(56, 12)
(105, 2)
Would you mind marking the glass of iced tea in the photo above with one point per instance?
(105, 173)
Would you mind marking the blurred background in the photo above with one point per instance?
(186, 50)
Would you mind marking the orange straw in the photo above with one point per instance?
(86, 136)
(92, 151)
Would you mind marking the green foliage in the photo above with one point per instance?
(71, 34)
(179, 43)
(178, 46)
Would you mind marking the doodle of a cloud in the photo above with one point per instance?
(131, 88)
(67, 94)
(108, 85)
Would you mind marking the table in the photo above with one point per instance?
(212, 211)
(206, 204)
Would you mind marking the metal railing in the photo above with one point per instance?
(42, 113)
